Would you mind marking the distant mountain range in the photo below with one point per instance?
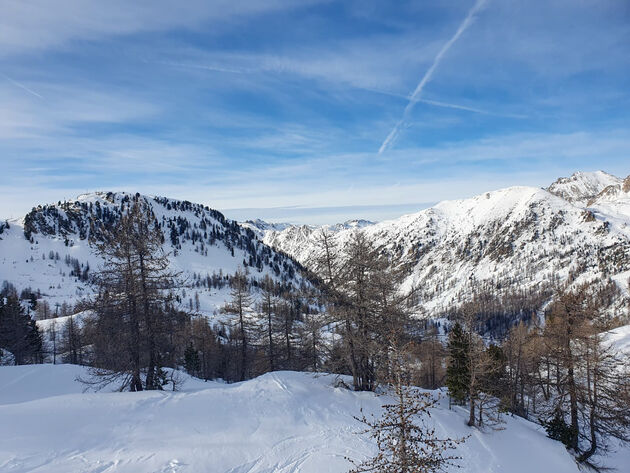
(508, 249)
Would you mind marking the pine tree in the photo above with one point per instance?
(191, 360)
(18, 331)
(457, 372)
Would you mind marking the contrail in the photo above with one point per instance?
(427, 76)
(21, 86)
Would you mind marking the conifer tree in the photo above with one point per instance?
(240, 304)
(18, 331)
(406, 441)
(457, 372)
(134, 301)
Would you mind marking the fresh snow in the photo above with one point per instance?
(279, 422)
(27, 265)
(518, 237)
(582, 186)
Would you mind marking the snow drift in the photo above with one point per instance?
(279, 422)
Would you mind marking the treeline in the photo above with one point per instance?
(355, 320)
(20, 340)
(140, 325)
(563, 374)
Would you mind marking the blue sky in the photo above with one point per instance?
(309, 111)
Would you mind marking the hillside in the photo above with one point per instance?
(51, 250)
(512, 245)
(286, 422)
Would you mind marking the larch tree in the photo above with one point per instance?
(406, 440)
(134, 299)
(240, 304)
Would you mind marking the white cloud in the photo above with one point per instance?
(39, 24)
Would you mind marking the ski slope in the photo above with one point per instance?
(279, 422)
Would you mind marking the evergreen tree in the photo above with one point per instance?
(457, 373)
(18, 331)
(191, 360)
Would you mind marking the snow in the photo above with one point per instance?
(580, 187)
(620, 338)
(279, 422)
(27, 264)
(520, 237)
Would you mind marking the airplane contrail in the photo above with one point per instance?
(21, 86)
(427, 76)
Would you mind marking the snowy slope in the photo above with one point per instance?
(279, 422)
(620, 338)
(514, 240)
(201, 243)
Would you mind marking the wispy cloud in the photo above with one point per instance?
(393, 135)
(22, 86)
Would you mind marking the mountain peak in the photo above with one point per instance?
(581, 186)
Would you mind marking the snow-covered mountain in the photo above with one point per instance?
(513, 245)
(581, 187)
(262, 228)
(510, 247)
(51, 249)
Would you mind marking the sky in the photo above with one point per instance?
(309, 111)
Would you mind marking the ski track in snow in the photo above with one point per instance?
(282, 422)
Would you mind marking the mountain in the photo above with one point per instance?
(507, 248)
(581, 187)
(51, 251)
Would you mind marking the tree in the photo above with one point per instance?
(18, 331)
(431, 354)
(566, 323)
(457, 374)
(52, 335)
(71, 345)
(191, 360)
(134, 303)
(589, 399)
(603, 395)
(406, 442)
(239, 305)
(364, 302)
(268, 316)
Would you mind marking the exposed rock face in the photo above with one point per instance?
(513, 243)
(581, 187)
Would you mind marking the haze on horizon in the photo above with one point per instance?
(313, 111)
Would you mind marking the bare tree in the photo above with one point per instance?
(134, 299)
(406, 441)
(364, 301)
(240, 304)
(268, 309)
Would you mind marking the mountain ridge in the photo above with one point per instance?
(525, 239)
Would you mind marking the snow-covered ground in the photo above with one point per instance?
(45, 264)
(279, 422)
